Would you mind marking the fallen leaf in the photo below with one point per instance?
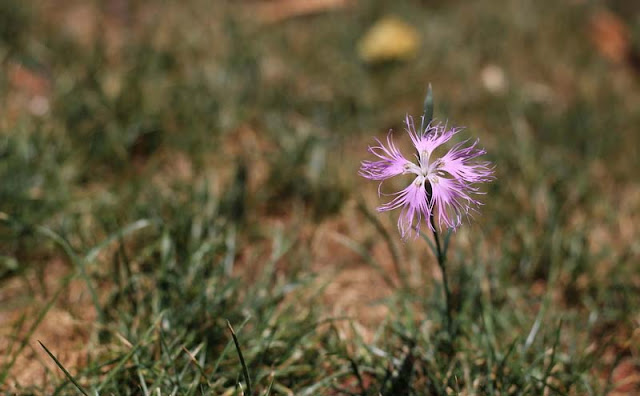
(625, 378)
(28, 80)
(276, 11)
(389, 39)
(610, 35)
(494, 79)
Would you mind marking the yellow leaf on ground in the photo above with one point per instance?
(389, 39)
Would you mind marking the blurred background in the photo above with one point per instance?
(235, 130)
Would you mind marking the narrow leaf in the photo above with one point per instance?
(245, 371)
(428, 107)
(69, 376)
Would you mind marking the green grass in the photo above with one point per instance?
(184, 175)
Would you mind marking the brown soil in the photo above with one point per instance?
(64, 330)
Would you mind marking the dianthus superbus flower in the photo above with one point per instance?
(443, 186)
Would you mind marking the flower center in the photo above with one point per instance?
(423, 160)
(425, 170)
(431, 171)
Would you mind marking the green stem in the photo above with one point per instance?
(445, 281)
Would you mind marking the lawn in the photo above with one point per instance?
(181, 210)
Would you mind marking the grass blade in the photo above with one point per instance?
(395, 255)
(128, 356)
(66, 373)
(118, 235)
(245, 371)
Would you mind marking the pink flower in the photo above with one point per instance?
(445, 185)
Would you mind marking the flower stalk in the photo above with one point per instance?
(441, 256)
(443, 190)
